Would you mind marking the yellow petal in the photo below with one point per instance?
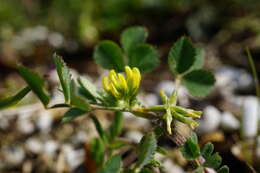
(106, 85)
(122, 82)
(115, 92)
(129, 77)
(136, 77)
(114, 79)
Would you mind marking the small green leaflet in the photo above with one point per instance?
(36, 84)
(77, 100)
(89, 89)
(109, 55)
(199, 82)
(133, 36)
(112, 166)
(97, 150)
(11, 101)
(64, 76)
(181, 56)
(143, 56)
(72, 113)
(146, 150)
(207, 150)
(223, 169)
(213, 161)
(190, 150)
(99, 128)
(116, 126)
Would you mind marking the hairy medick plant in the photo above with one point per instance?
(119, 94)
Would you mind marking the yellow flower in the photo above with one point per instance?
(122, 87)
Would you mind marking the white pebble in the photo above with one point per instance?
(167, 86)
(44, 121)
(34, 145)
(73, 157)
(229, 122)
(170, 167)
(250, 117)
(14, 155)
(135, 136)
(210, 121)
(50, 147)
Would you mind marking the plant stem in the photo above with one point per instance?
(255, 159)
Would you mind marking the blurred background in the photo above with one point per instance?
(33, 139)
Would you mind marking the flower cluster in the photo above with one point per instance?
(123, 87)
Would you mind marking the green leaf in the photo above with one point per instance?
(97, 150)
(116, 126)
(77, 100)
(199, 82)
(72, 113)
(133, 36)
(190, 150)
(181, 56)
(64, 76)
(207, 150)
(143, 56)
(198, 170)
(213, 161)
(194, 137)
(155, 163)
(11, 101)
(109, 55)
(99, 128)
(161, 150)
(36, 84)
(89, 89)
(146, 170)
(146, 150)
(199, 58)
(223, 169)
(112, 166)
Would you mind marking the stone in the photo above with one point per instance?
(229, 122)
(34, 145)
(51, 147)
(134, 135)
(44, 121)
(211, 120)
(73, 157)
(250, 117)
(13, 155)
